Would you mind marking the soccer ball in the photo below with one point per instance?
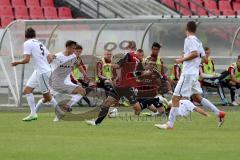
(113, 113)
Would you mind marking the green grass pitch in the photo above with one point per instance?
(116, 139)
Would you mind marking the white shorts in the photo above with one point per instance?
(187, 86)
(64, 87)
(185, 107)
(39, 80)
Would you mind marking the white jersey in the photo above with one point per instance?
(60, 79)
(39, 55)
(62, 66)
(192, 43)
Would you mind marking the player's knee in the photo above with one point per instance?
(79, 90)
(197, 98)
(47, 97)
(137, 109)
(27, 90)
(109, 101)
(176, 99)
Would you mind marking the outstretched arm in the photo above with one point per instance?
(201, 111)
(192, 55)
(25, 60)
(50, 57)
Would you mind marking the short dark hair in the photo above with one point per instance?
(157, 45)
(30, 33)
(79, 47)
(70, 43)
(206, 48)
(191, 26)
(140, 51)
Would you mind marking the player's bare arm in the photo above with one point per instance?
(233, 79)
(192, 55)
(25, 60)
(201, 111)
(81, 69)
(50, 57)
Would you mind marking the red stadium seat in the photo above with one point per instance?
(200, 11)
(5, 20)
(50, 13)
(31, 3)
(238, 12)
(186, 12)
(236, 6)
(6, 11)
(228, 12)
(224, 5)
(193, 6)
(64, 13)
(197, 9)
(18, 3)
(210, 4)
(169, 3)
(183, 2)
(21, 12)
(215, 11)
(5, 3)
(198, 1)
(47, 3)
(36, 13)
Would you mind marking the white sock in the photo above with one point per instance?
(208, 104)
(75, 98)
(31, 103)
(53, 102)
(55, 105)
(172, 116)
(39, 104)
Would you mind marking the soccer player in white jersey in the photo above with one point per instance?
(59, 79)
(35, 50)
(188, 85)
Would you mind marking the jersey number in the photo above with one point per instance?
(41, 48)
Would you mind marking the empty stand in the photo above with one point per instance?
(183, 3)
(21, 12)
(210, 5)
(5, 3)
(36, 12)
(47, 3)
(237, 12)
(31, 9)
(6, 11)
(186, 12)
(6, 20)
(169, 3)
(214, 11)
(64, 13)
(197, 9)
(18, 3)
(228, 12)
(220, 7)
(224, 5)
(236, 6)
(50, 13)
(31, 3)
